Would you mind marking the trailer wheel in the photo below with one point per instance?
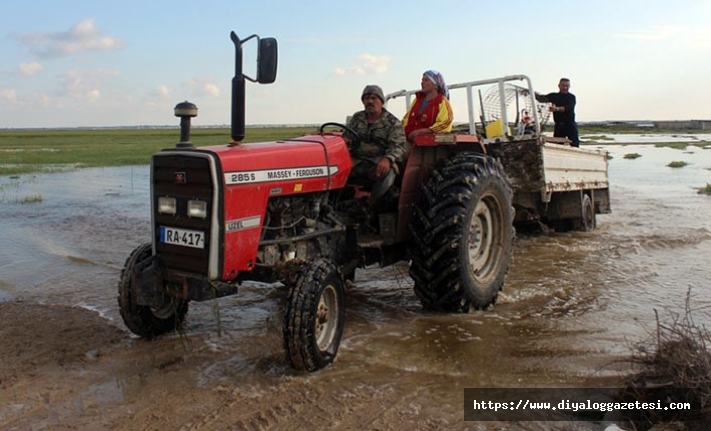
(315, 316)
(463, 233)
(146, 321)
(589, 223)
(585, 223)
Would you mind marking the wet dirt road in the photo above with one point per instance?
(572, 305)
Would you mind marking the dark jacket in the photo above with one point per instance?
(383, 138)
(566, 100)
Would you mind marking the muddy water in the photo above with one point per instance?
(572, 303)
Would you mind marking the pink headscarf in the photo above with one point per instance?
(438, 80)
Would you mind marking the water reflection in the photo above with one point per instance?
(4, 296)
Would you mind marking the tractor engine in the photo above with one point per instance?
(290, 226)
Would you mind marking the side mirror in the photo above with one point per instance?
(266, 74)
(267, 60)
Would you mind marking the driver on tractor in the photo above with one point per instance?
(382, 148)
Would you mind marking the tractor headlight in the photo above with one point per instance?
(167, 205)
(197, 209)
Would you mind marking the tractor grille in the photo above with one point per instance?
(184, 178)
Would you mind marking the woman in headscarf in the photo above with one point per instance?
(430, 112)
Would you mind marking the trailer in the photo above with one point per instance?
(553, 183)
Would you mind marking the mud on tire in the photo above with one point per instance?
(315, 316)
(144, 320)
(463, 232)
(587, 223)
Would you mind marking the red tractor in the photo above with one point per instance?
(285, 212)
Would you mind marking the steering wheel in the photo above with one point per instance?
(352, 136)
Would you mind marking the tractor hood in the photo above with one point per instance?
(237, 182)
(307, 164)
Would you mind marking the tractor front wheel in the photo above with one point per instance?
(315, 316)
(143, 320)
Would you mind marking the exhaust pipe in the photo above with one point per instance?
(238, 92)
(266, 74)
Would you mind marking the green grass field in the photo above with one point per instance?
(45, 150)
(30, 151)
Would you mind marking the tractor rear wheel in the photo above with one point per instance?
(315, 316)
(143, 320)
(463, 233)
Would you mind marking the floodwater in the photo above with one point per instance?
(573, 303)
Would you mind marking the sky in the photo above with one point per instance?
(76, 63)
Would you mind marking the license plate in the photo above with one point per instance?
(184, 237)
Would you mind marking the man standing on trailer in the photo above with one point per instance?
(563, 108)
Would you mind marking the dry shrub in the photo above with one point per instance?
(673, 365)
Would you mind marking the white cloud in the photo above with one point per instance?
(84, 85)
(211, 90)
(159, 96)
(698, 36)
(163, 91)
(8, 95)
(31, 69)
(367, 64)
(202, 87)
(93, 95)
(42, 100)
(375, 64)
(654, 33)
(83, 36)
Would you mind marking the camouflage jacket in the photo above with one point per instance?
(384, 138)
